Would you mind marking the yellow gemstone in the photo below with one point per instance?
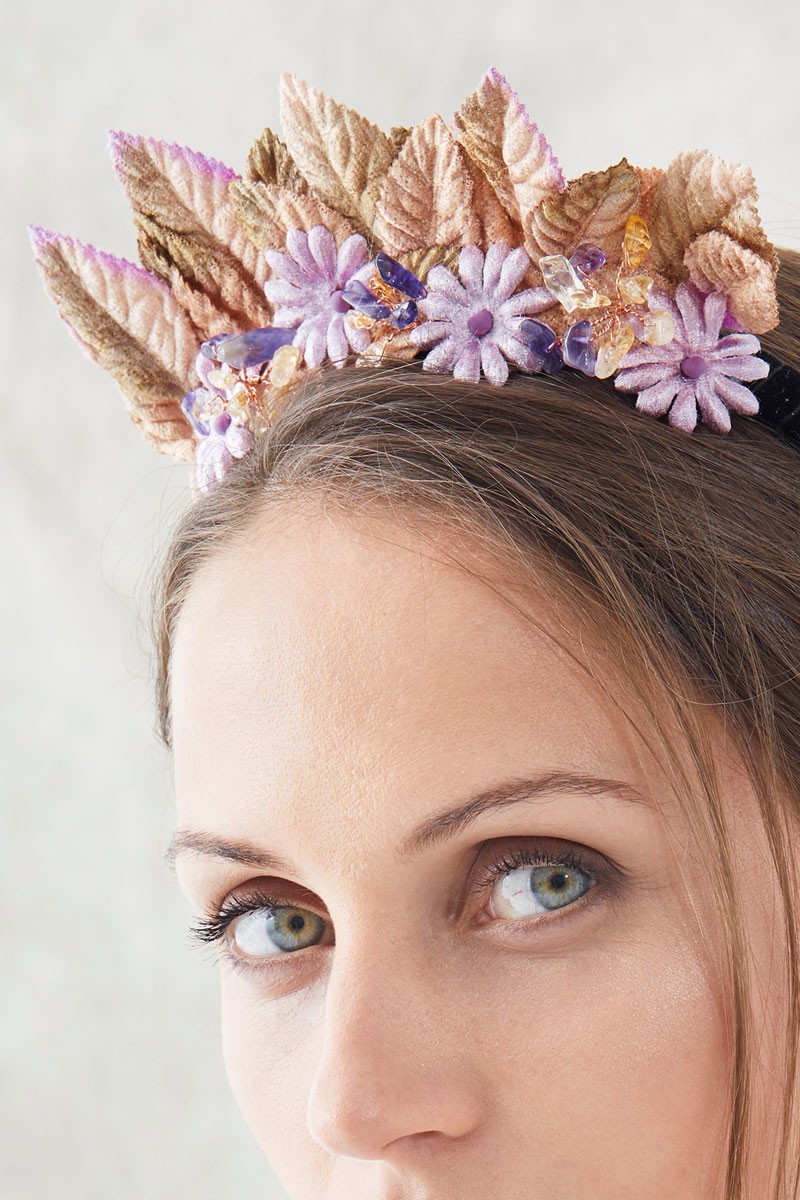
(634, 289)
(223, 378)
(371, 356)
(659, 328)
(284, 362)
(637, 240)
(238, 405)
(611, 354)
(562, 281)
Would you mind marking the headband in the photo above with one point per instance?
(463, 245)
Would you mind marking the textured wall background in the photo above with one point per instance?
(110, 1058)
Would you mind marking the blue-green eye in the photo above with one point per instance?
(528, 881)
(265, 931)
(260, 926)
(530, 890)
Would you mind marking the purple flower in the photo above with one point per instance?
(215, 453)
(308, 288)
(476, 322)
(697, 370)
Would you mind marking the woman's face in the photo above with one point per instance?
(492, 967)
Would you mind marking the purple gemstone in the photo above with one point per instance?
(480, 322)
(339, 304)
(579, 351)
(398, 276)
(255, 347)
(220, 422)
(405, 314)
(208, 348)
(694, 366)
(188, 405)
(587, 258)
(359, 296)
(543, 344)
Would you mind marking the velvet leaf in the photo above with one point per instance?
(426, 199)
(181, 206)
(129, 323)
(342, 155)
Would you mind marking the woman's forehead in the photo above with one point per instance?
(328, 653)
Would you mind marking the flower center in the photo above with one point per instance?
(338, 302)
(694, 366)
(480, 322)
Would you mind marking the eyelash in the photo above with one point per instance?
(214, 926)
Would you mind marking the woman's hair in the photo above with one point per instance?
(681, 551)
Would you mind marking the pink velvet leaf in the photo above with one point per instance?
(129, 323)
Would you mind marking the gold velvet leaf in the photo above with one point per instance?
(181, 208)
(593, 208)
(267, 212)
(130, 324)
(421, 261)
(507, 147)
(699, 193)
(270, 162)
(649, 178)
(342, 155)
(717, 262)
(398, 135)
(426, 199)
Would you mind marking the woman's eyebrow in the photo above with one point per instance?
(431, 831)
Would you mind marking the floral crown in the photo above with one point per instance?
(465, 244)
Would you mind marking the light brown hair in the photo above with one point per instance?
(683, 551)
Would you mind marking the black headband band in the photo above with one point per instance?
(779, 397)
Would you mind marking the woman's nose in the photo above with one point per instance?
(395, 1057)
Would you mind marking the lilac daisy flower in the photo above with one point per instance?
(308, 288)
(475, 323)
(698, 370)
(214, 454)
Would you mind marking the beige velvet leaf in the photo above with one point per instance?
(268, 211)
(181, 207)
(130, 324)
(495, 130)
(698, 194)
(717, 262)
(270, 162)
(342, 155)
(592, 208)
(426, 199)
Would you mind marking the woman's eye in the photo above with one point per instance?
(265, 931)
(528, 891)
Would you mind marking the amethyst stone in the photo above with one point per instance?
(480, 322)
(399, 277)
(188, 404)
(587, 258)
(694, 366)
(359, 296)
(543, 344)
(338, 303)
(209, 348)
(405, 314)
(579, 351)
(253, 348)
(220, 422)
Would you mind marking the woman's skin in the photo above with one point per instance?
(339, 680)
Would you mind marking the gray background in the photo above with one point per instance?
(112, 1083)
